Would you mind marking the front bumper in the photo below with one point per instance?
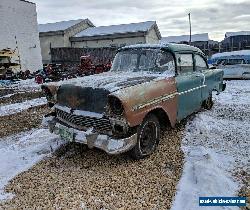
(104, 142)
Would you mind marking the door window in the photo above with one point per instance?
(165, 63)
(185, 63)
(200, 63)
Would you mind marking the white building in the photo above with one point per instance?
(117, 35)
(53, 35)
(19, 32)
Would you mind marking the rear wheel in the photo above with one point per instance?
(148, 135)
(208, 103)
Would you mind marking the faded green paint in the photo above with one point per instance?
(189, 91)
(174, 48)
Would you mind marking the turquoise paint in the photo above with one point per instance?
(188, 102)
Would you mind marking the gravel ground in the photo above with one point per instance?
(20, 97)
(5, 91)
(23, 121)
(76, 177)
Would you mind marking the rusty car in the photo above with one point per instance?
(149, 88)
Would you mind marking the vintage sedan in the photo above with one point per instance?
(148, 88)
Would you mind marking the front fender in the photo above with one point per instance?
(140, 99)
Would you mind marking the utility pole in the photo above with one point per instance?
(190, 34)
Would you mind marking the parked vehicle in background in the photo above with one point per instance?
(236, 64)
(148, 88)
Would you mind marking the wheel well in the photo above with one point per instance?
(162, 117)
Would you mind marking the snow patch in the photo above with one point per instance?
(116, 29)
(215, 144)
(205, 174)
(23, 85)
(20, 152)
(19, 107)
(112, 81)
(7, 96)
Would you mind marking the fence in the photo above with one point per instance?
(72, 56)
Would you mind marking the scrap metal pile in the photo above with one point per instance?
(57, 72)
(11, 71)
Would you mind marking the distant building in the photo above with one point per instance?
(19, 32)
(236, 41)
(198, 40)
(53, 35)
(201, 41)
(117, 35)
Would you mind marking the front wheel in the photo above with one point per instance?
(148, 135)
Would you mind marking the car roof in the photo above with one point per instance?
(168, 46)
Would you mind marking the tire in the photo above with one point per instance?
(148, 135)
(208, 103)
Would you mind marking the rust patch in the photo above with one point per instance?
(146, 93)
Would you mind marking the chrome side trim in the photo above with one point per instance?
(155, 101)
(192, 89)
(165, 98)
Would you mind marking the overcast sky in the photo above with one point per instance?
(213, 16)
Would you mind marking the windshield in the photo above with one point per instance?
(150, 60)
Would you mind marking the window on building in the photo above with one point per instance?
(185, 63)
(200, 63)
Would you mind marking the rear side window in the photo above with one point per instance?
(200, 63)
(185, 63)
(235, 61)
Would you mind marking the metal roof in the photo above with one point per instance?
(118, 29)
(60, 26)
(185, 38)
(239, 33)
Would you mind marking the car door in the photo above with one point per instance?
(189, 84)
(207, 74)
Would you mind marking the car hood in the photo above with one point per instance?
(90, 93)
(110, 81)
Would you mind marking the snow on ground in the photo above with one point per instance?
(19, 107)
(20, 152)
(23, 85)
(216, 143)
(7, 96)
